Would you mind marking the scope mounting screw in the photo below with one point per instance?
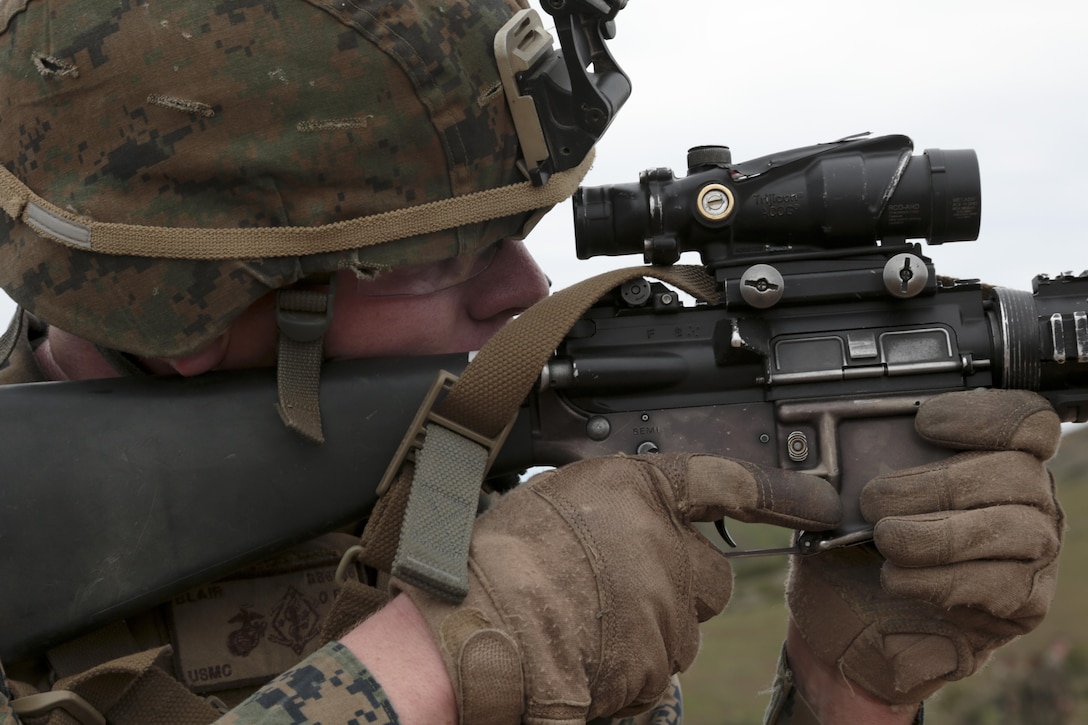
(762, 286)
(905, 275)
(715, 202)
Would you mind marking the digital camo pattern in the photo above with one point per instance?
(333, 686)
(330, 686)
(238, 113)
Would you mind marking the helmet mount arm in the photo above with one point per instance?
(561, 107)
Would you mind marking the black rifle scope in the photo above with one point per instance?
(834, 196)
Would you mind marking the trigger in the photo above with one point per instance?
(724, 533)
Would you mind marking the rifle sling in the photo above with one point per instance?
(469, 425)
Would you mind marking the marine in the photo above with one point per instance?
(193, 187)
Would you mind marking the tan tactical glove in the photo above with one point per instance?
(587, 584)
(971, 546)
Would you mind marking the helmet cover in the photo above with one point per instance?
(239, 113)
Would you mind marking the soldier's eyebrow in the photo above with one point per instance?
(181, 104)
(51, 65)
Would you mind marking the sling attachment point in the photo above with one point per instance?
(451, 462)
(347, 562)
(45, 702)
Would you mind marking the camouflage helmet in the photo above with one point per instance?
(172, 122)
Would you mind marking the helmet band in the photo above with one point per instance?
(59, 225)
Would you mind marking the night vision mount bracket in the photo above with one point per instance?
(560, 106)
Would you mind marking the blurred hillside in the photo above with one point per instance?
(1040, 678)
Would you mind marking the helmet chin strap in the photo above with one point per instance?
(303, 317)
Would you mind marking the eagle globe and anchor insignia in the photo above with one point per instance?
(295, 621)
(240, 632)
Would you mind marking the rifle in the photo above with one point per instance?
(119, 494)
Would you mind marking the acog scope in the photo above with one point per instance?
(850, 193)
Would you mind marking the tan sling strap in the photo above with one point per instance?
(73, 230)
(131, 690)
(492, 388)
(354, 602)
(461, 434)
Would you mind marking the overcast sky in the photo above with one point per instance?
(1004, 78)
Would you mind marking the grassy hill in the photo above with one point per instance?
(1040, 678)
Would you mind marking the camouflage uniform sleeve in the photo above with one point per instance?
(330, 685)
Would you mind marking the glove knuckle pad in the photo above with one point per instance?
(491, 683)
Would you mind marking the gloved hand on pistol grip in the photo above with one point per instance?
(587, 584)
(965, 555)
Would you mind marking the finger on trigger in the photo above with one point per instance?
(749, 492)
